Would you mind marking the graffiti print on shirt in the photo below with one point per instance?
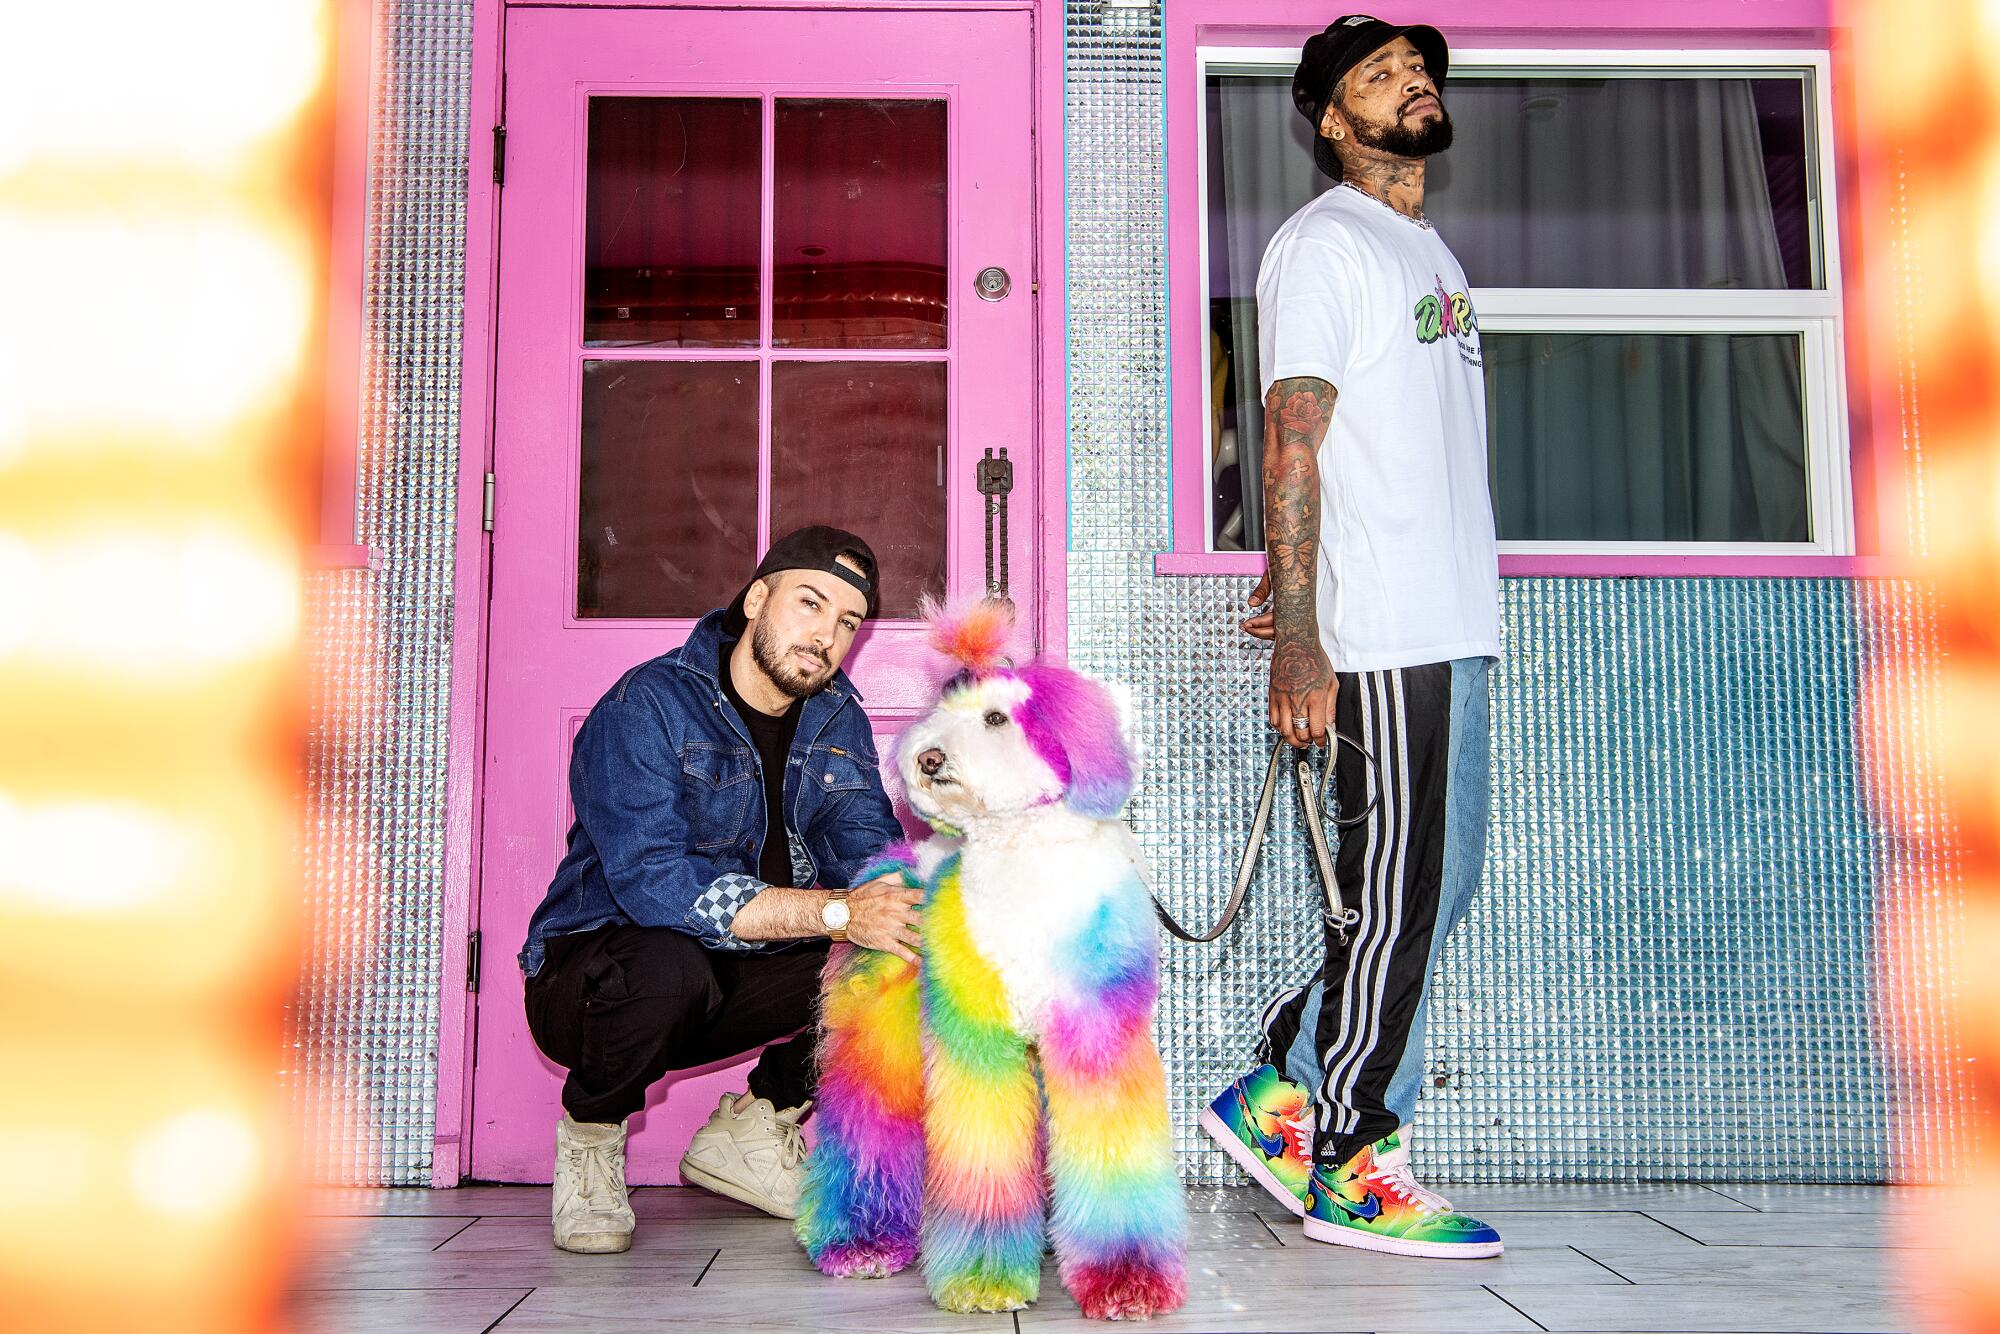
(1443, 313)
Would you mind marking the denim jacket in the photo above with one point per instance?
(669, 798)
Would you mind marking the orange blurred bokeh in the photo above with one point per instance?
(1927, 118)
(163, 253)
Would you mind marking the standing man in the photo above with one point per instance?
(716, 788)
(1384, 590)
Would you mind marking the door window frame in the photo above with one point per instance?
(765, 355)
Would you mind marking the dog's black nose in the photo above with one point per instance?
(931, 761)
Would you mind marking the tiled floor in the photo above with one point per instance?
(1579, 1258)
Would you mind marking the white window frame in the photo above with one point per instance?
(1814, 316)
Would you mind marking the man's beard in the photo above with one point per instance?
(776, 663)
(1432, 136)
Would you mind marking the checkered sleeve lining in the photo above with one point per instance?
(716, 909)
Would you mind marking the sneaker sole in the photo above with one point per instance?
(1333, 1234)
(597, 1243)
(1246, 1158)
(694, 1176)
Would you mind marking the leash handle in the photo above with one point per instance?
(1312, 797)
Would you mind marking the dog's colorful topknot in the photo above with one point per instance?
(973, 632)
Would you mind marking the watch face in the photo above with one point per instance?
(834, 914)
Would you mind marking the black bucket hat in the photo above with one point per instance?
(816, 548)
(1346, 43)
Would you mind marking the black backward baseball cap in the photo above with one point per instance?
(816, 548)
(1346, 43)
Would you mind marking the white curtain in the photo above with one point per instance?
(1574, 183)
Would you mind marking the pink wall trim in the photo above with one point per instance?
(469, 599)
(772, 4)
(1642, 24)
(1872, 392)
(1051, 328)
(1250, 564)
(1682, 24)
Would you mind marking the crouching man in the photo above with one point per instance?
(717, 788)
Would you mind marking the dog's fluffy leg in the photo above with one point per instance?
(982, 1122)
(861, 1213)
(1119, 1221)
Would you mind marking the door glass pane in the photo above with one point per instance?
(672, 222)
(859, 251)
(667, 512)
(861, 445)
(1647, 437)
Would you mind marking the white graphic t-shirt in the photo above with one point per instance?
(1354, 293)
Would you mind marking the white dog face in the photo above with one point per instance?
(1007, 741)
(970, 759)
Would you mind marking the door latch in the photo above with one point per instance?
(996, 480)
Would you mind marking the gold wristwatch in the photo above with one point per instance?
(833, 915)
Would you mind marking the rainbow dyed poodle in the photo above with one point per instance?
(935, 1134)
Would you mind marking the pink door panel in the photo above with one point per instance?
(736, 296)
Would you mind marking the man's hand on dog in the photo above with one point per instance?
(884, 915)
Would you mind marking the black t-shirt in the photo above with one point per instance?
(773, 739)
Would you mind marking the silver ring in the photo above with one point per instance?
(1300, 722)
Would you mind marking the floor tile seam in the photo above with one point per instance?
(509, 1311)
(1883, 1246)
(1727, 1196)
(1601, 1265)
(1487, 1287)
(1671, 1228)
(455, 1236)
(1758, 1287)
(312, 1289)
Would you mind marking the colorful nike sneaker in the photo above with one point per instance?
(1374, 1201)
(1265, 1123)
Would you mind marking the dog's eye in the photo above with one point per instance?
(995, 718)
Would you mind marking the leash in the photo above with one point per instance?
(1312, 797)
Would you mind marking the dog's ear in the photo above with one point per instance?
(1128, 722)
(1073, 723)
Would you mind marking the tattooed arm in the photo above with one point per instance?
(1296, 414)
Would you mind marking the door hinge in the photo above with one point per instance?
(472, 962)
(486, 505)
(499, 154)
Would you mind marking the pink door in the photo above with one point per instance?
(751, 278)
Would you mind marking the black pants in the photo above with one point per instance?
(620, 1006)
(1357, 1024)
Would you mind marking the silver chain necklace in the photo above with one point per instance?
(1420, 221)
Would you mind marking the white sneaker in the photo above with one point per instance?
(591, 1214)
(750, 1151)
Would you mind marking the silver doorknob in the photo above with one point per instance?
(992, 284)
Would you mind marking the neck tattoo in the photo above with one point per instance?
(1420, 220)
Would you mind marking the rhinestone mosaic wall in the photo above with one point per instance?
(365, 1026)
(1669, 971)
